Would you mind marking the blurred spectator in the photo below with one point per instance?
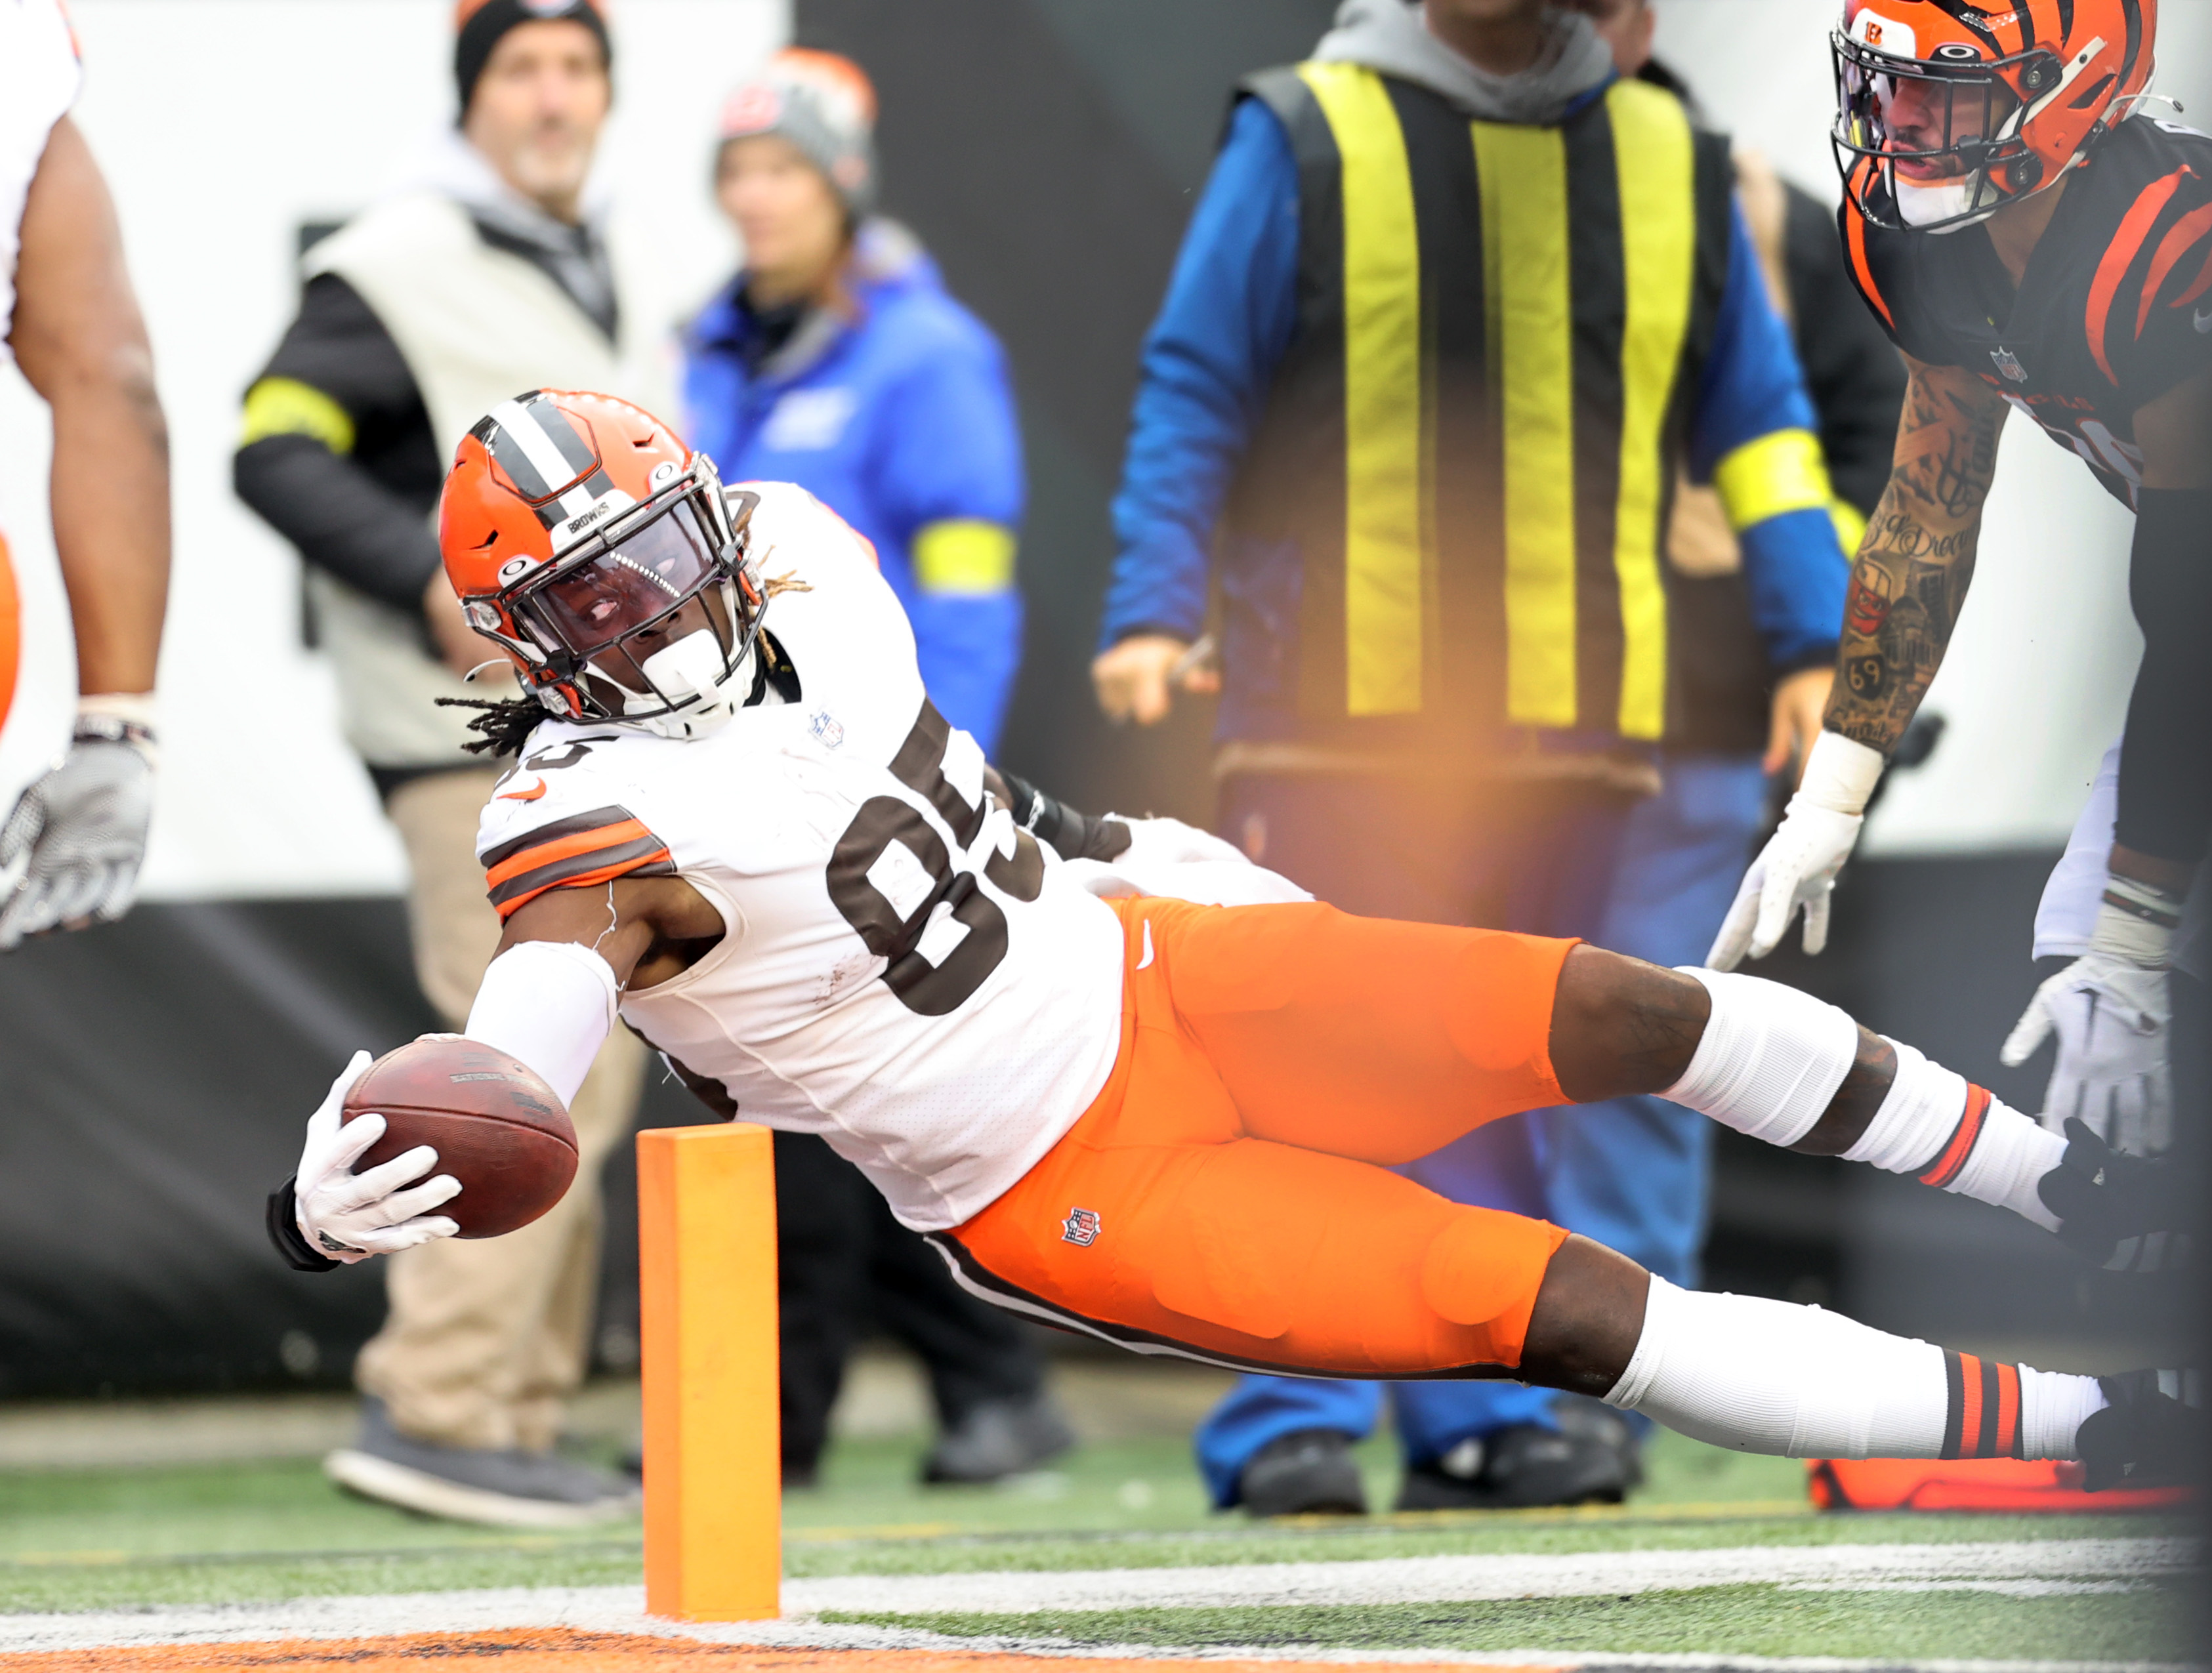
(836, 360)
(70, 322)
(488, 278)
(1423, 403)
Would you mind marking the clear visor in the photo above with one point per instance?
(624, 588)
(1909, 110)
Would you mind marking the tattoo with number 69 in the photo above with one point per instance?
(1918, 559)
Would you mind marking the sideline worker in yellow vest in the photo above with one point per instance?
(1458, 307)
(487, 279)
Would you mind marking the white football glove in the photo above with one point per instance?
(2111, 1018)
(349, 1216)
(1798, 866)
(83, 826)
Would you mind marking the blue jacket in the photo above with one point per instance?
(1211, 357)
(901, 421)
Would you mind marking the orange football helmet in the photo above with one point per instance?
(603, 555)
(1947, 110)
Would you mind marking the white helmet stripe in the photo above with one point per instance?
(543, 452)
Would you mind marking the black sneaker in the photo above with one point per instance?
(999, 1439)
(1592, 1457)
(1307, 1472)
(2153, 1433)
(498, 1489)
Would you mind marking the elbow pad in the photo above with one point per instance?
(550, 1003)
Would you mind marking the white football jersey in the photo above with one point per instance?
(903, 972)
(38, 77)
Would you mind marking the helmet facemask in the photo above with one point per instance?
(1968, 158)
(649, 617)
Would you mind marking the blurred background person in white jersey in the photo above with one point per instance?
(71, 838)
(836, 359)
(489, 277)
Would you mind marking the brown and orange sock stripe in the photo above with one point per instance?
(1981, 1420)
(1952, 1158)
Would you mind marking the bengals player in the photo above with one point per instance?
(2035, 241)
(736, 820)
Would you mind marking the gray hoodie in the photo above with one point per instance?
(1390, 36)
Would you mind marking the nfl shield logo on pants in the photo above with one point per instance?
(1080, 1227)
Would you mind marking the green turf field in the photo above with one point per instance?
(242, 1533)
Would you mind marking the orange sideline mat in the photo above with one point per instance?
(534, 1650)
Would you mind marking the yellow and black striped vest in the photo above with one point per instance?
(1472, 440)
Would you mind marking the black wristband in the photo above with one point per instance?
(1072, 835)
(283, 1223)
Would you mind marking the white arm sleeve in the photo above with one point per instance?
(550, 1003)
(2067, 917)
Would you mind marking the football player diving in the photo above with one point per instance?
(2033, 241)
(736, 822)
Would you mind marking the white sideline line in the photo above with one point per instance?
(1416, 1579)
(1474, 1579)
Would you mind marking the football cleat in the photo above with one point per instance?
(2153, 1432)
(2124, 1213)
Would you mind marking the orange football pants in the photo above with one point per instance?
(1228, 1195)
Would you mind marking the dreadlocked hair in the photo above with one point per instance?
(505, 725)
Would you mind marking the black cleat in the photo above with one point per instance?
(1308, 1472)
(1591, 1459)
(2153, 1432)
(2115, 1210)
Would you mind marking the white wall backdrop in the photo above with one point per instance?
(222, 126)
(2035, 685)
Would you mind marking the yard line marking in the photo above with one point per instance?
(1473, 1579)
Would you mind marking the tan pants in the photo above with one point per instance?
(485, 1339)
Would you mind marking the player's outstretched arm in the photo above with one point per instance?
(1907, 588)
(549, 999)
(81, 344)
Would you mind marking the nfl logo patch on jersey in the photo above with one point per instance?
(1080, 1228)
(2008, 363)
(829, 731)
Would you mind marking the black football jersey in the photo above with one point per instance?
(2115, 309)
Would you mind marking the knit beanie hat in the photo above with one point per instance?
(824, 104)
(479, 24)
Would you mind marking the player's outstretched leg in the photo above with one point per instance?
(1762, 1376)
(1784, 1067)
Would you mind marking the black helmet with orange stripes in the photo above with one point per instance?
(1947, 110)
(603, 555)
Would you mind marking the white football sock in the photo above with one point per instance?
(1769, 1060)
(1761, 1376)
(1958, 1137)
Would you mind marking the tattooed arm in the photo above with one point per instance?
(1914, 566)
(1907, 588)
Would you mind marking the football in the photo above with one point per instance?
(496, 1127)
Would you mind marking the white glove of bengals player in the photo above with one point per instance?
(82, 825)
(349, 1216)
(1798, 866)
(2113, 1012)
